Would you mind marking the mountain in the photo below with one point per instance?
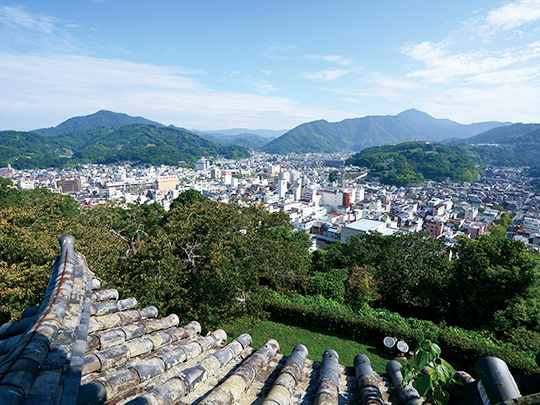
(136, 142)
(359, 133)
(100, 119)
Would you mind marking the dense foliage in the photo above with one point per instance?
(151, 144)
(194, 260)
(501, 225)
(209, 261)
(412, 162)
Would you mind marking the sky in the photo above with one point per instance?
(268, 64)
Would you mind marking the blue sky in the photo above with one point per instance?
(268, 64)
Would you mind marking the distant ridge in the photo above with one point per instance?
(265, 133)
(497, 135)
(100, 119)
(247, 140)
(358, 133)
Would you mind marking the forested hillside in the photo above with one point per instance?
(513, 150)
(135, 142)
(413, 162)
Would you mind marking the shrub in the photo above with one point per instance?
(372, 325)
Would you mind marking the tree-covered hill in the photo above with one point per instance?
(412, 162)
(30, 150)
(136, 142)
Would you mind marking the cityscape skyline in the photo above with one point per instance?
(267, 65)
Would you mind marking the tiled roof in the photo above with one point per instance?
(84, 345)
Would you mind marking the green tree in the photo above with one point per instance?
(188, 197)
(492, 275)
(410, 271)
(333, 176)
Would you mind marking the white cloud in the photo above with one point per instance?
(443, 66)
(264, 87)
(351, 100)
(277, 51)
(514, 14)
(46, 90)
(338, 59)
(507, 77)
(326, 74)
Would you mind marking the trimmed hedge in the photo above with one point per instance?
(367, 326)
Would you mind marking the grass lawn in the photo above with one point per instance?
(316, 342)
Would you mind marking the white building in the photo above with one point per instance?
(281, 188)
(202, 164)
(365, 226)
(27, 184)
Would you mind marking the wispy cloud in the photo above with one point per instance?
(265, 87)
(277, 51)
(16, 16)
(326, 74)
(454, 58)
(442, 66)
(21, 29)
(338, 59)
(281, 52)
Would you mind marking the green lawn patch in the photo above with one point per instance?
(316, 342)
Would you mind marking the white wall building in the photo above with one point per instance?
(281, 188)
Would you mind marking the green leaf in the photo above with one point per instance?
(445, 372)
(426, 345)
(422, 358)
(436, 349)
(441, 396)
(423, 385)
(406, 375)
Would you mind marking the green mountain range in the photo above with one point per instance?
(103, 139)
(359, 133)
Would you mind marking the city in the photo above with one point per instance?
(328, 200)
